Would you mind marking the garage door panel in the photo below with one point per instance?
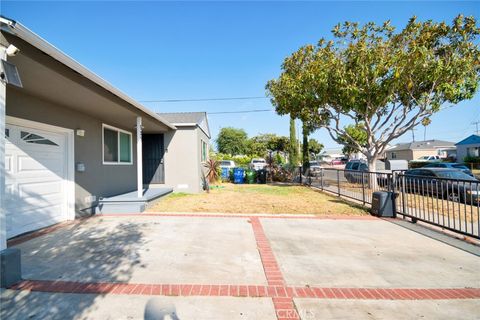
(8, 164)
(40, 189)
(35, 179)
(44, 202)
(26, 163)
(37, 214)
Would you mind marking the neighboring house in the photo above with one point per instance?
(414, 150)
(329, 155)
(73, 142)
(469, 146)
(186, 150)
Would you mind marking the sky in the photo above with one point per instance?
(199, 50)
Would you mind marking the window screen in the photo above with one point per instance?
(125, 147)
(110, 145)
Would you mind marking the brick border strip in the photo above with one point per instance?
(282, 297)
(253, 291)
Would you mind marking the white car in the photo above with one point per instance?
(429, 159)
(258, 164)
(230, 164)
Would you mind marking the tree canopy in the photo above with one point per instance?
(384, 80)
(235, 141)
(356, 132)
(232, 141)
(314, 147)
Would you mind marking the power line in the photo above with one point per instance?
(244, 111)
(203, 99)
(476, 123)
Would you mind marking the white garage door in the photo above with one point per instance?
(36, 172)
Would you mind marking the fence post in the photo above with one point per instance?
(363, 188)
(338, 181)
(404, 205)
(322, 172)
(300, 171)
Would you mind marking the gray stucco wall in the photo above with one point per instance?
(182, 159)
(98, 179)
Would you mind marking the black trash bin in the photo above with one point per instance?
(262, 176)
(383, 204)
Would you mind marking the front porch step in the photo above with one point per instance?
(129, 202)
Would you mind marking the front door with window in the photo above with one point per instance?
(153, 153)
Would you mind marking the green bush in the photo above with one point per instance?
(469, 159)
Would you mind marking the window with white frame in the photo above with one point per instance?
(393, 155)
(473, 151)
(117, 145)
(204, 151)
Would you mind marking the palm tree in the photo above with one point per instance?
(425, 123)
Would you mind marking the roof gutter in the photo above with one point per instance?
(32, 38)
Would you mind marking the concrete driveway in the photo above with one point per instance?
(242, 267)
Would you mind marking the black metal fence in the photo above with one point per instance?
(449, 203)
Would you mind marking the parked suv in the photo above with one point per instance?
(353, 170)
(450, 184)
(258, 164)
(450, 165)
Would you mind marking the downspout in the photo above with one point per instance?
(3, 103)
(139, 159)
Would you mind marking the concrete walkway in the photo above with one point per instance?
(242, 267)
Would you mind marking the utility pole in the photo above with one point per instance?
(476, 123)
(413, 134)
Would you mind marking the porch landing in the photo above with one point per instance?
(129, 202)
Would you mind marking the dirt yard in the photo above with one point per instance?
(273, 199)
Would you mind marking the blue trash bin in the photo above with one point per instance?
(225, 174)
(238, 175)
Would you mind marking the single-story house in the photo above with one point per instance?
(469, 146)
(75, 145)
(184, 166)
(414, 150)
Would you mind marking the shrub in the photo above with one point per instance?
(470, 159)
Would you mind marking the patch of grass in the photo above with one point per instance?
(270, 199)
(175, 195)
(476, 173)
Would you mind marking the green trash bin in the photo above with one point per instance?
(251, 176)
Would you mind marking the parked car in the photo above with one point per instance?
(230, 164)
(429, 159)
(315, 168)
(450, 184)
(353, 171)
(450, 165)
(336, 162)
(258, 164)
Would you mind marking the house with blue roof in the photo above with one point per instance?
(469, 146)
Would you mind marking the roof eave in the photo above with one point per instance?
(35, 40)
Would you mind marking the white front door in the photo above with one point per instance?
(35, 178)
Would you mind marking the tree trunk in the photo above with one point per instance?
(293, 156)
(371, 178)
(305, 153)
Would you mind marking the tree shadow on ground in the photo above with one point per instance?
(87, 251)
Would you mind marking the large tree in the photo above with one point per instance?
(232, 141)
(386, 80)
